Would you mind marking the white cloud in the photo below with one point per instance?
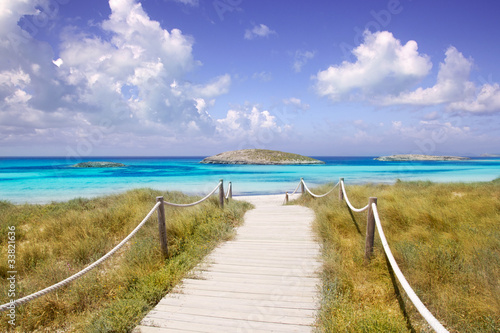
(301, 58)
(297, 103)
(383, 65)
(216, 87)
(14, 78)
(137, 76)
(19, 97)
(133, 78)
(260, 30)
(453, 89)
(248, 123)
(386, 71)
(193, 3)
(452, 83)
(486, 101)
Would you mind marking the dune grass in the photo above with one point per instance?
(446, 240)
(56, 240)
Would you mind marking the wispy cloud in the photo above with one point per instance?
(301, 58)
(193, 3)
(263, 76)
(296, 103)
(260, 30)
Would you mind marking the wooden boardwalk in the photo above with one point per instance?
(265, 280)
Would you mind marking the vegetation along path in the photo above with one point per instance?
(265, 280)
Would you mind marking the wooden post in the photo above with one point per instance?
(302, 189)
(341, 194)
(286, 198)
(370, 229)
(230, 190)
(221, 194)
(162, 228)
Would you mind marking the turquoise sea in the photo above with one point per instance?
(42, 180)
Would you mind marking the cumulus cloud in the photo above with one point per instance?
(453, 88)
(383, 65)
(385, 72)
(301, 58)
(452, 83)
(249, 123)
(260, 30)
(487, 100)
(129, 74)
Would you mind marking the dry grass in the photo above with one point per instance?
(446, 240)
(57, 240)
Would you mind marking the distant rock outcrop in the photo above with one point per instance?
(98, 165)
(259, 156)
(417, 157)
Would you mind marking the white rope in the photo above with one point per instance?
(347, 200)
(297, 188)
(315, 195)
(228, 189)
(194, 203)
(82, 272)
(435, 324)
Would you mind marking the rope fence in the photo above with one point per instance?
(358, 210)
(159, 206)
(435, 324)
(229, 194)
(194, 203)
(302, 185)
(373, 220)
(316, 195)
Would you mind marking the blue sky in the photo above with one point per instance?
(195, 77)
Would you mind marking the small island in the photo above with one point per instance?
(98, 165)
(259, 157)
(418, 157)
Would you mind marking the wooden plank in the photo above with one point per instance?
(199, 323)
(224, 309)
(174, 298)
(257, 279)
(150, 329)
(261, 270)
(239, 295)
(249, 288)
(277, 317)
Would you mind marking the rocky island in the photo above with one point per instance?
(98, 165)
(418, 157)
(259, 156)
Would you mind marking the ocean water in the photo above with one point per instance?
(42, 180)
